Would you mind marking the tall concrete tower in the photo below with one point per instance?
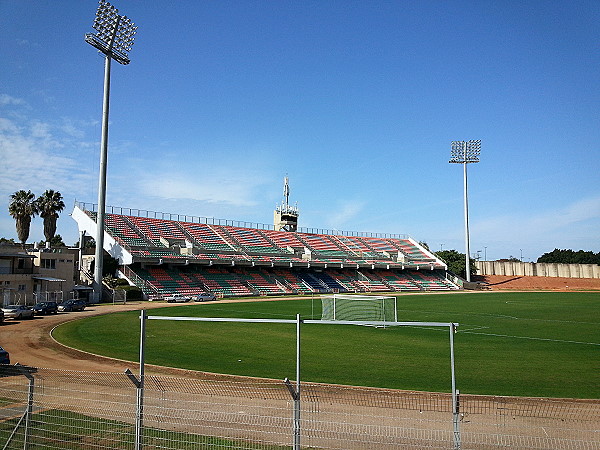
(285, 217)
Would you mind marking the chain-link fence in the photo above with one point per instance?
(54, 409)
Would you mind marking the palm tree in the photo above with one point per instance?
(22, 208)
(49, 204)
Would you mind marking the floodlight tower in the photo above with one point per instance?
(114, 39)
(465, 152)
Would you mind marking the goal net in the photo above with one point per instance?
(359, 307)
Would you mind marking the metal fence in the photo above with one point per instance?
(59, 409)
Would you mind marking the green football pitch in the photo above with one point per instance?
(525, 344)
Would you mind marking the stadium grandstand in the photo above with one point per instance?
(165, 253)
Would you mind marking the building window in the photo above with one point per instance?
(21, 287)
(21, 264)
(48, 264)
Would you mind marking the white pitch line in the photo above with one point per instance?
(482, 327)
(530, 338)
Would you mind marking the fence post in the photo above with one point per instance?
(455, 408)
(29, 408)
(295, 392)
(297, 399)
(139, 419)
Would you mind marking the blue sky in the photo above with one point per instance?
(357, 102)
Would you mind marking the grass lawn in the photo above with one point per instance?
(526, 344)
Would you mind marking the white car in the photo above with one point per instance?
(177, 298)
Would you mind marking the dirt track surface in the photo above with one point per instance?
(29, 342)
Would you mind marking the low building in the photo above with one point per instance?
(32, 275)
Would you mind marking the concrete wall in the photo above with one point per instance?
(537, 269)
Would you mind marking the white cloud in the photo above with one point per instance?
(37, 155)
(200, 182)
(344, 212)
(6, 99)
(544, 222)
(29, 160)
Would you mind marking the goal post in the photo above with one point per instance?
(344, 307)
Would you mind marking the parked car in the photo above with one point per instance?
(72, 305)
(205, 297)
(17, 312)
(4, 356)
(45, 308)
(177, 297)
(1, 316)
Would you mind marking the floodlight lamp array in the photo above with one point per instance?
(464, 152)
(115, 33)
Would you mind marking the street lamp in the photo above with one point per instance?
(466, 152)
(114, 38)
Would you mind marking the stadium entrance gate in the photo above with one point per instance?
(294, 390)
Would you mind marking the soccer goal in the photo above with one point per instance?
(359, 308)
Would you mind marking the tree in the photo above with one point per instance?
(456, 262)
(570, 257)
(88, 242)
(56, 241)
(49, 204)
(22, 208)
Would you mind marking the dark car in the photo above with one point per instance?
(72, 305)
(45, 308)
(4, 357)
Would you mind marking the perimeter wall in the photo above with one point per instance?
(537, 269)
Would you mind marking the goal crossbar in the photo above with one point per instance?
(307, 321)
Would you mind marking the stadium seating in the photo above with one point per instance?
(206, 237)
(171, 256)
(244, 281)
(283, 239)
(399, 281)
(431, 281)
(154, 229)
(292, 281)
(222, 281)
(262, 282)
(118, 227)
(251, 240)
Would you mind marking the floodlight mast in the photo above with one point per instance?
(114, 39)
(466, 152)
